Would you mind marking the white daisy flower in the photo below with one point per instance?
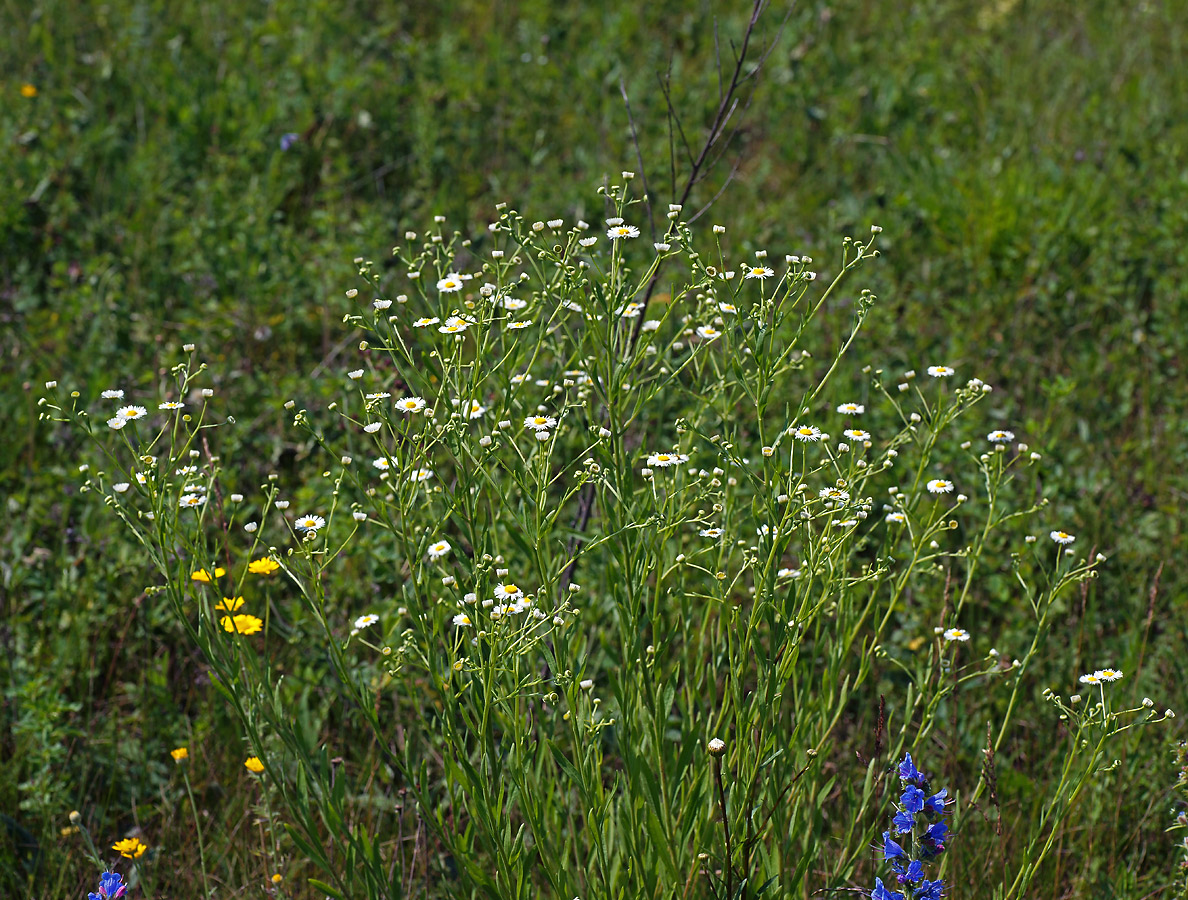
(452, 283)
(191, 501)
(540, 423)
(513, 303)
(382, 464)
(355, 374)
(366, 621)
(373, 427)
(516, 326)
(112, 394)
(615, 220)
(508, 591)
(170, 404)
(476, 410)
(453, 326)
(940, 371)
(588, 241)
(1061, 537)
(410, 404)
(1091, 678)
(939, 486)
(630, 311)
(788, 573)
(711, 532)
(419, 475)
(1108, 674)
(426, 321)
(760, 272)
(438, 550)
(728, 308)
(378, 395)
(462, 620)
(121, 487)
(117, 422)
(895, 518)
(380, 303)
(623, 231)
(128, 413)
(835, 494)
(857, 434)
(1000, 437)
(956, 634)
(663, 460)
(808, 433)
(309, 523)
(708, 332)
(851, 409)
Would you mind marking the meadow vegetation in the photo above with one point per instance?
(571, 596)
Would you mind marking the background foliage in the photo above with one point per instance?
(1026, 160)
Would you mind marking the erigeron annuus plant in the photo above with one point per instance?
(589, 500)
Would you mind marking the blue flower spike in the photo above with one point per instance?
(917, 836)
(111, 887)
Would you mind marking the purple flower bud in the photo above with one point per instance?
(288, 140)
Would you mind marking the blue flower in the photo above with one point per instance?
(891, 850)
(914, 873)
(288, 140)
(904, 822)
(908, 770)
(930, 890)
(912, 799)
(111, 887)
(881, 893)
(936, 803)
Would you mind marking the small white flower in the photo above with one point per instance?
(708, 332)
(663, 460)
(410, 404)
(940, 371)
(373, 427)
(513, 303)
(508, 591)
(383, 464)
(450, 284)
(807, 433)
(851, 409)
(856, 434)
(1108, 674)
(282, 504)
(711, 532)
(716, 746)
(760, 272)
(1000, 437)
(426, 321)
(476, 410)
(359, 516)
(309, 523)
(956, 634)
(129, 413)
(516, 326)
(438, 550)
(453, 326)
(379, 303)
(419, 475)
(1091, 678)
(662, 247)
(835, 494)
(121, 487)
(615, 220)
(191, 501)
(378, 395)
(622, 231)
(939, 486)
(117, 422)
(355, 374)
(110, 394)
(788, 573)
(895, 518)
(588, 241)
(462, 620)
(1061, 537)
(366, 621)
(250, 527)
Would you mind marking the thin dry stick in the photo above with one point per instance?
(725, 827)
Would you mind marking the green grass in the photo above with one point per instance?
(1026, 161)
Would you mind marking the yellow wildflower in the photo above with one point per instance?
(204, 576)
(241, 624)
(229, 605)
(179, 754)
(130, 848)
(29, 91)
(263, 566)
(277, 878)
(253, 765)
